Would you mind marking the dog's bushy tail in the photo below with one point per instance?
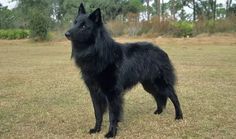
(168, 74)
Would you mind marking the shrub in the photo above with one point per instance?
(145, 28)
(134, 29)
(13, 34)
(39, 26)
(134, 26)
(220, 25)
(226, 25)
(162, 28)
(182, 29)
(116, 27)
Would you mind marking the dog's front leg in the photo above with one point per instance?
(99, 105)
(115, 112)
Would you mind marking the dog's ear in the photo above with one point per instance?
(96, 16)
(81, 9)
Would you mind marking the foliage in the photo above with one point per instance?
(7, 18)
(227, 25)
(210, 26)
(37, 14)
(132, 6)
(13, 34)
(116, 28)
(168, 17)
(183, 29)
(174, 7)
(39, 27)
(65, 10)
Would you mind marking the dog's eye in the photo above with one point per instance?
(83, 26)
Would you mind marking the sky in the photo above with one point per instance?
(8, 3)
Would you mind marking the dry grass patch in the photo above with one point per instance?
(42, 95)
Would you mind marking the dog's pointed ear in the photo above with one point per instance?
(81, 9)
(96, 16)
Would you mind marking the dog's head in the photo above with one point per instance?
(85, 26)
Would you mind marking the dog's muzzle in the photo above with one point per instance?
(68, 36)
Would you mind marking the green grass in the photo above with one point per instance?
(42, 95)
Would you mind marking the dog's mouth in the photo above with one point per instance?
(68, 36)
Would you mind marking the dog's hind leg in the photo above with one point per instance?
(160, 99)
(167, 90)
(174, 99)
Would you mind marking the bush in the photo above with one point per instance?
(226, 25)
(39, 26)
(145, 28)
(162, 28)
(13, 34)
(154, 28)
(220, 25)
(134, 26)
(116, 28)
(182, 29)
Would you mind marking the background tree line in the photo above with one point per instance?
(133, 17)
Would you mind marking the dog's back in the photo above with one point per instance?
(144, 61)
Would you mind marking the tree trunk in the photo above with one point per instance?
(214, 11)
(194, 10)
(148, 12)
(158, 10)
(173, 10)
(228, 5)
(162, 10)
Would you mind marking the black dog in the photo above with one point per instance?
(109, 68)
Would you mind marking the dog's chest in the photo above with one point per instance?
(105, 79)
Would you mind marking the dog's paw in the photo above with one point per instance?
(179, 117)
(110, 134)
(94, 130)
(158, 111)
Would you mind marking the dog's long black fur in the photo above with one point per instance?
(109, 68)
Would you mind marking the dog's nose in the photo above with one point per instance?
(67, 34)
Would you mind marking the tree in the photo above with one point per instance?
(183, 15)
(228, 5)
(39, 25)
(148, 8)
(175, 6)
(7, 18)
(230, 8)
(132, 6)
(65, 10)
(164, 7)
(220, 11)
(192, 4)
(207, 9)
(157, 5)
(110, 8)
(37, 13)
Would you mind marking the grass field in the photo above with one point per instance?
(42, 94)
